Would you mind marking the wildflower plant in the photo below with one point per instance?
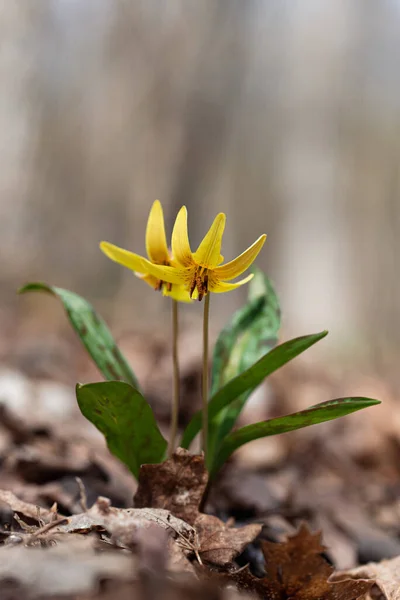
(245, 353)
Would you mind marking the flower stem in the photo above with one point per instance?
(205, 375)
(175, 363)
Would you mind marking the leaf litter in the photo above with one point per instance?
(341, 478)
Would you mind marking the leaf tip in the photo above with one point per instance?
(372, 401)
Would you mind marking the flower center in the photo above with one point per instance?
(199, 282)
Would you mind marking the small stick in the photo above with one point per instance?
(82, 494)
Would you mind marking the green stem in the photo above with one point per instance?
(175, 363)
(205, 375)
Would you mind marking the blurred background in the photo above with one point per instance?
(284, 114)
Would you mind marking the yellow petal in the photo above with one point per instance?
(168, 274)
(236, 267)
(219, 287)
(178, 293)
(124, 257)
(150, 279)
(181, 251)
(209, 252)
(156, 242)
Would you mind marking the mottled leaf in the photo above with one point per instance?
(127, 421)
(326, 411)
(251, 333)
(249, 380)
(93, 332)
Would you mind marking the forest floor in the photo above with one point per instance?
(286, 515)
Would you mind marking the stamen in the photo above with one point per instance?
(192, 287)
(199, 282)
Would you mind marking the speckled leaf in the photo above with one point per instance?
(249, 380)
(127, 421)
(326, 411)
(251, 333)
(93, 332)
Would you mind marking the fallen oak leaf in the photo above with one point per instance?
(297, 570)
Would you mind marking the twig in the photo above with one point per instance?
(82, 494)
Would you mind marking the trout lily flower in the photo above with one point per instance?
(201, 272)
(158, 253)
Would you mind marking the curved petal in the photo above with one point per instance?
(178, 293)
(238, 265)
(181, 251)
(209, 252)
(219, 287)
(168, 274)
(124, 257)
(156, 242)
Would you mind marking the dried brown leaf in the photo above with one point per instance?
(177, 485)
(132, 527)
(27, 510)
(220, 544)
(297, 570)
(384, 575)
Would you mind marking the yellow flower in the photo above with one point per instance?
(158, 253)
(202, 272)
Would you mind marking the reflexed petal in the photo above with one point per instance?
(178, 293)
(181, 251)
(168, 274)
(124, 257)
(236, 267)
(156, 242)
(209, 252)
(218, 287)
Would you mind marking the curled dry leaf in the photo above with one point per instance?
(24, 509)
(297, 570)
(132, 527)
(384, 575)
(178, 485)
(220, 544)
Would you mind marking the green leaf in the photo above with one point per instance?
(121, 413)
(93, 332)
(250, 379)
(251, 333)
(326, 411)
